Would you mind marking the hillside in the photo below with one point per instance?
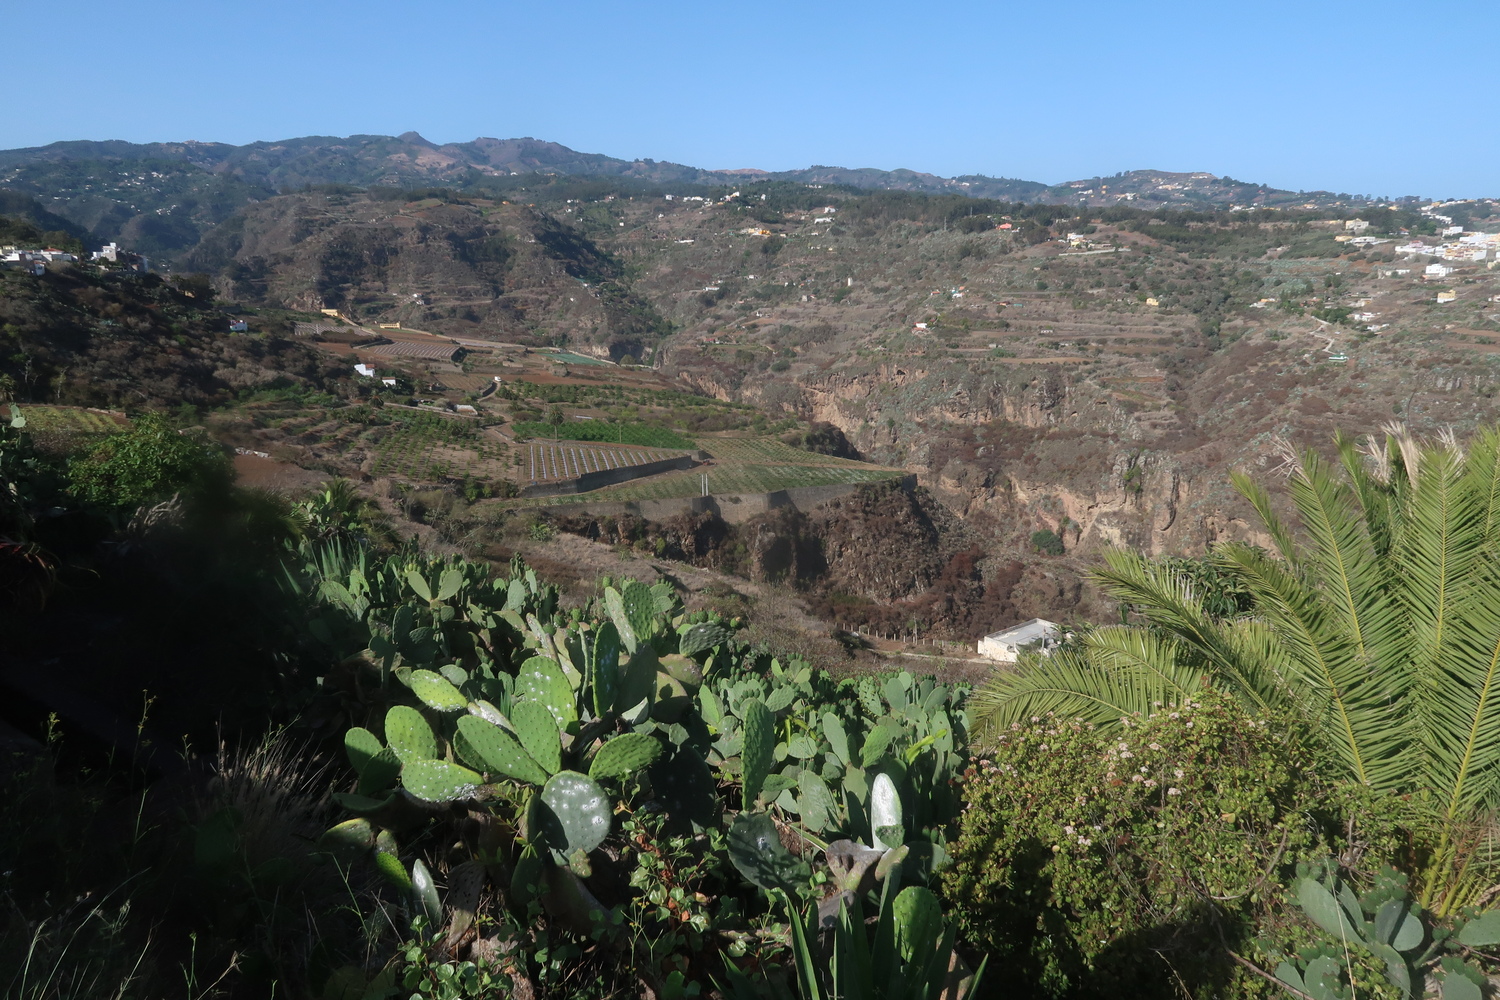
(161, 198)
(1058, 371)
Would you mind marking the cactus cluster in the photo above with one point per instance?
(1384, 923)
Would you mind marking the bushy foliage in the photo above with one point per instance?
(1047, 542)
(1130, 860)
(148, 463)
(631, 778)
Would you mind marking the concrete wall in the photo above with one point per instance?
(607, 477)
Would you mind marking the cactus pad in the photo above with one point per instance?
(361, 803)
(615, 605)
(391, 869)
(703, 636)
(838, 739)
(540, 679)
(624, 755)
(760, 745)
(380, 772)
(436, 691)
(409, 734)
(424, 896)
(918, 923)
(537, 730)
(684, 670)
(636, 678)
(439, 781)
(755, 848)
(361, 745)
(499, 751)
(604, 668)
(349, 839)
(575, 813)
(640, 608)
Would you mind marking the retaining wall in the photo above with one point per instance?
(736, 508)
(608, 477)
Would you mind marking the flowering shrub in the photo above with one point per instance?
(1135, 861)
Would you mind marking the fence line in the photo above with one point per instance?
(910, 638)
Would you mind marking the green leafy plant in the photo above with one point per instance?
(1379, 628)
(1386, 928)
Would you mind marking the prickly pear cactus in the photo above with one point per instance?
(541, 679)
(705, 635)
(439, 781)
(380, 772)
(760, 744)
(575, 813)
(361, 745)
(538, 733)
(756, 850)
(499, 752)
(636, 681)
(409, 735)
(614, 603)
(604, 668)
(624, 755)
(640, 608)
(686, 671)
(918, 923)
(436, 691)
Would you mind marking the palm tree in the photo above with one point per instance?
(1379, 624)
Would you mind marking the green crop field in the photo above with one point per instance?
(69, 420)
(740, 465)
(609, 433)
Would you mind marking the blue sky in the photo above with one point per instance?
(1365, 97)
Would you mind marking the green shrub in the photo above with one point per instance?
(1130, 862)
(1047, 542)
(147, 463)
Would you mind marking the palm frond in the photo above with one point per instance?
(1252, 491)
(1330, 682)
(1116, 671)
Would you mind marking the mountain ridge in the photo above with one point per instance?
(369, 159)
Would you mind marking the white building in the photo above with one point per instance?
(1006, 645)
(1437, 271)
(368, 371)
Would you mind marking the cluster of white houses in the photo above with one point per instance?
(36, 260)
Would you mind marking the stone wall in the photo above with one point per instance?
(736, 508)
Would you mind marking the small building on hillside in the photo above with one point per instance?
(1005, 646)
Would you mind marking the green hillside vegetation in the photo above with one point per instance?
(462, 785)
(617, 433)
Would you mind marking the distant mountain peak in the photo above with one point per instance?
(415, 138)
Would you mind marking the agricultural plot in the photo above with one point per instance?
(609, 433)
(63, 428)
(740, 465)
(546, 461)
(429, 447)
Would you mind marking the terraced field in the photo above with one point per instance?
(69, 420)
(546, 461)
(427, 446)
(740, 465)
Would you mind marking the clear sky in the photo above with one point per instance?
(1359, 96)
